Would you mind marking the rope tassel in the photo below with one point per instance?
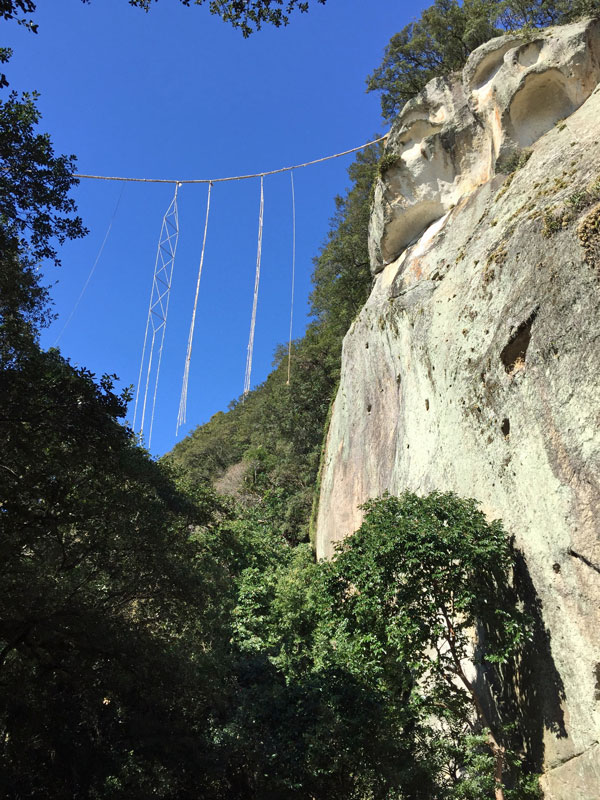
(289, 370)
(256, 283)
(186, 371)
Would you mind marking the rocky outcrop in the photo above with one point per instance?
(457, 134)
(474, 366)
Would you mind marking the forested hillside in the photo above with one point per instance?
(165, 629)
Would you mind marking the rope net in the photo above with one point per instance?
(158, 309)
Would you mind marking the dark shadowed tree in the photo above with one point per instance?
(247, 15)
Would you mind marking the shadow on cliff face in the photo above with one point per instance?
(538, 686)
(529, 691)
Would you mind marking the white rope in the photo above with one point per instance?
(158, 308)
(93, 269)
(186, 371)
(256, 282)
(293, 276)
(233, 177)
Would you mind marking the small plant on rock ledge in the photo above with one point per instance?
(387, 161)
(589, 236)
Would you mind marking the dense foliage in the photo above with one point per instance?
(247, 15)
(373, 644)
(111, 613)
(440, 41)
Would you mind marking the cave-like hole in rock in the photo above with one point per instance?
(538, 105)
(513, 354)
(408, 224)
(489, 66)
(529, 53)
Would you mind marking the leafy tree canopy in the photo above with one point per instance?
(247, 15)
(36, 216)
(409, 589)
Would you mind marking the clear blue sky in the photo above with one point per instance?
(177, 93)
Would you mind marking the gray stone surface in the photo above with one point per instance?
(474, 367)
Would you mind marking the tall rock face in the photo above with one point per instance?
(474, 367)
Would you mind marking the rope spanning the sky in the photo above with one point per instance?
(180, 181)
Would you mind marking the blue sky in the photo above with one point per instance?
(177, 93)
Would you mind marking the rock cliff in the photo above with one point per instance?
(474, 366)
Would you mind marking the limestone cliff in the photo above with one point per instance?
(474, 366)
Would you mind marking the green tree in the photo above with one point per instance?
(342, 276)
(247, 15)
(111, 613)
(11, 9)
(410, 588)
(114, 603)
(438, 43)
(308, 725)
(36, 216)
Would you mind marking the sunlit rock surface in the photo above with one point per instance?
(474, 366)
(459, 132)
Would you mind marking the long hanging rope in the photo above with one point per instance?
(233, 177)
(289, 371)
(256, 282)
(158, 309)
(93, 269)
(186, 371)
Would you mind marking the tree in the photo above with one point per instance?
(411, 587)
(309, 726)
(10, 9)
(438, 43)
(342, 276)
(36, 215)
(113, 608)
(247, 15)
